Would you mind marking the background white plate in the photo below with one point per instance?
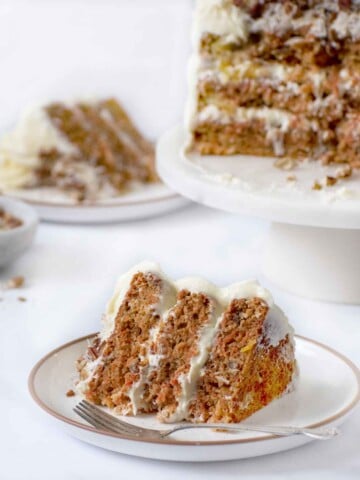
(327, 391)
(144, 66)
(144, 202)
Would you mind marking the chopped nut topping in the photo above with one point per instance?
(317, 186)
(330, 181)
(291, 178)
(70, 393)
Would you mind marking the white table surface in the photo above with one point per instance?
(70, 272)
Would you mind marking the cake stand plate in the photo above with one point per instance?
(312, 245)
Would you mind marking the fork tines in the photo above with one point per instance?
(103, 421)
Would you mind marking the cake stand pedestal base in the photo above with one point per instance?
(318, 263)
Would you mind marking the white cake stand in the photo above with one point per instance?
(313, 246)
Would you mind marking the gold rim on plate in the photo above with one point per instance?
(74, 423)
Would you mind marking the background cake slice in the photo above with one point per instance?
(188, 350)
(87, 149)
(276, 78)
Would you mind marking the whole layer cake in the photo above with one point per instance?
(276, 78)
(88, 149)
(188, 350)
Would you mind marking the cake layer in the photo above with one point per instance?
(234, 21)
(257, 94)
(181, 346)
(126, 130)
(243, 369)
(158, 341)
(118, 379)
(256, 131)
(275, 133)
(317, 92)
(312, 33)
(294, 51)
(238, 19)
(251, 138)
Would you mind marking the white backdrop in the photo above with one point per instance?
(136, 49)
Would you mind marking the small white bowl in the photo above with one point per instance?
(15, 241)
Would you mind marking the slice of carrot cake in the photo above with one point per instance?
(188, 350)
(276, 78)
(86, 149)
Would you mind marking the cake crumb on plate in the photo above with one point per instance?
(15, 282)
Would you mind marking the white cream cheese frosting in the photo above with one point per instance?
(347, 25)
(122, 287)
(220, 17)
(276, 326)
(20, 147)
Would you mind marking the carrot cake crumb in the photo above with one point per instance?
(15, 282)
(330, 181)
(317, 186)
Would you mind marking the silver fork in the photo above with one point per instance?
(104, 421)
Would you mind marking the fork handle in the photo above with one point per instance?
(316, 433)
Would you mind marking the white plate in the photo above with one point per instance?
(328, 390)
(144, 202)
(253, 186)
